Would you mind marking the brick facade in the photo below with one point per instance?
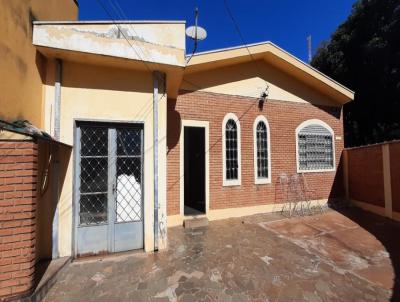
(18, 174)
(283, 118)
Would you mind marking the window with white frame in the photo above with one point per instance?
(262, 161)
(315, 147)
(231, 150)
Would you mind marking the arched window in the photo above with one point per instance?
(262, 158)
(315, 147)
(231, 150)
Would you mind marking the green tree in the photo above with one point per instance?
(364, 55)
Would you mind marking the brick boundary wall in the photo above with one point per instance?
(18, 177)
(283, 118)
(373, 177)
(395, 174)
(369, 187)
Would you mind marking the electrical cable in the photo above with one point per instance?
(119, 11)
(236, 25)
(100, 2)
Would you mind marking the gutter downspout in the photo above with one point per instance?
(55, 193)
(57, 99)
(156, 76)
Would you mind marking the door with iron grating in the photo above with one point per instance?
(109, 178)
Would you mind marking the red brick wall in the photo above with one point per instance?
(283, 118)
(365, 172)
(395, 174)
(18, 173)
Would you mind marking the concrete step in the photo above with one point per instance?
(195, 222)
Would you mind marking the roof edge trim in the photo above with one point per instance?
(109, 22)
(229, 48)
(280, 49)
(313, 68)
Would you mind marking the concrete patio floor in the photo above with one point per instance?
(347, 256)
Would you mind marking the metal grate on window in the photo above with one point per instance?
(129, 175)
(262, 150)
(231, 150)
(93, 175)
(315, 144)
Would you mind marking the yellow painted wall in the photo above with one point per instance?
(22, 68)
(48, 154)
(108, 94)
(249, 79)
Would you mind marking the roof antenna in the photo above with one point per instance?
(309, 45)
(196, 33)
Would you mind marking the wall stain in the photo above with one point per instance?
(119, 33)
(19, 16)
(5, 52)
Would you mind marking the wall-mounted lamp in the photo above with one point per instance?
(265, 94)
(263, 97)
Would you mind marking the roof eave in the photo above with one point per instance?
(210, 59)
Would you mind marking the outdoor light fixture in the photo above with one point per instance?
(263, 97)
(265, 94)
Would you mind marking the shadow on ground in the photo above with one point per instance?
(347, 256)
(387, 232)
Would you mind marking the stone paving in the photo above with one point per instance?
(328, 257)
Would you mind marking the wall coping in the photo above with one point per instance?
(395, 141)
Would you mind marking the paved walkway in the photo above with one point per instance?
(327, 257)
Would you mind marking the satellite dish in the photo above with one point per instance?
(201, 33)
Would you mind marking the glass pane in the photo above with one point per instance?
(231, 150)
(94, 175)
(129, 142)
(93, 209)
(129, 175)
(262, 150)
(94, 141)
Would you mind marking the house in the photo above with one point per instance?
(145, 140)
(124, 89)
(249, 143)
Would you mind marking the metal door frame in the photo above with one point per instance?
(76, 170)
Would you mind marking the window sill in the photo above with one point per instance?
(262, 181)
(316, 171)
(231, 183)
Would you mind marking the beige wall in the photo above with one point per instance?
(249, 80)
(108, 94)
(22, 67)
(151, 42)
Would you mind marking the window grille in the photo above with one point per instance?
(315, 144)
(93, 175)
(129, 175)
(262, 150)
(231, 150)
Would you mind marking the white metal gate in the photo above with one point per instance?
(109, 184)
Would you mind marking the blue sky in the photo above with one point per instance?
(287, 23)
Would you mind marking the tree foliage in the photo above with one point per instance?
(364, 55)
